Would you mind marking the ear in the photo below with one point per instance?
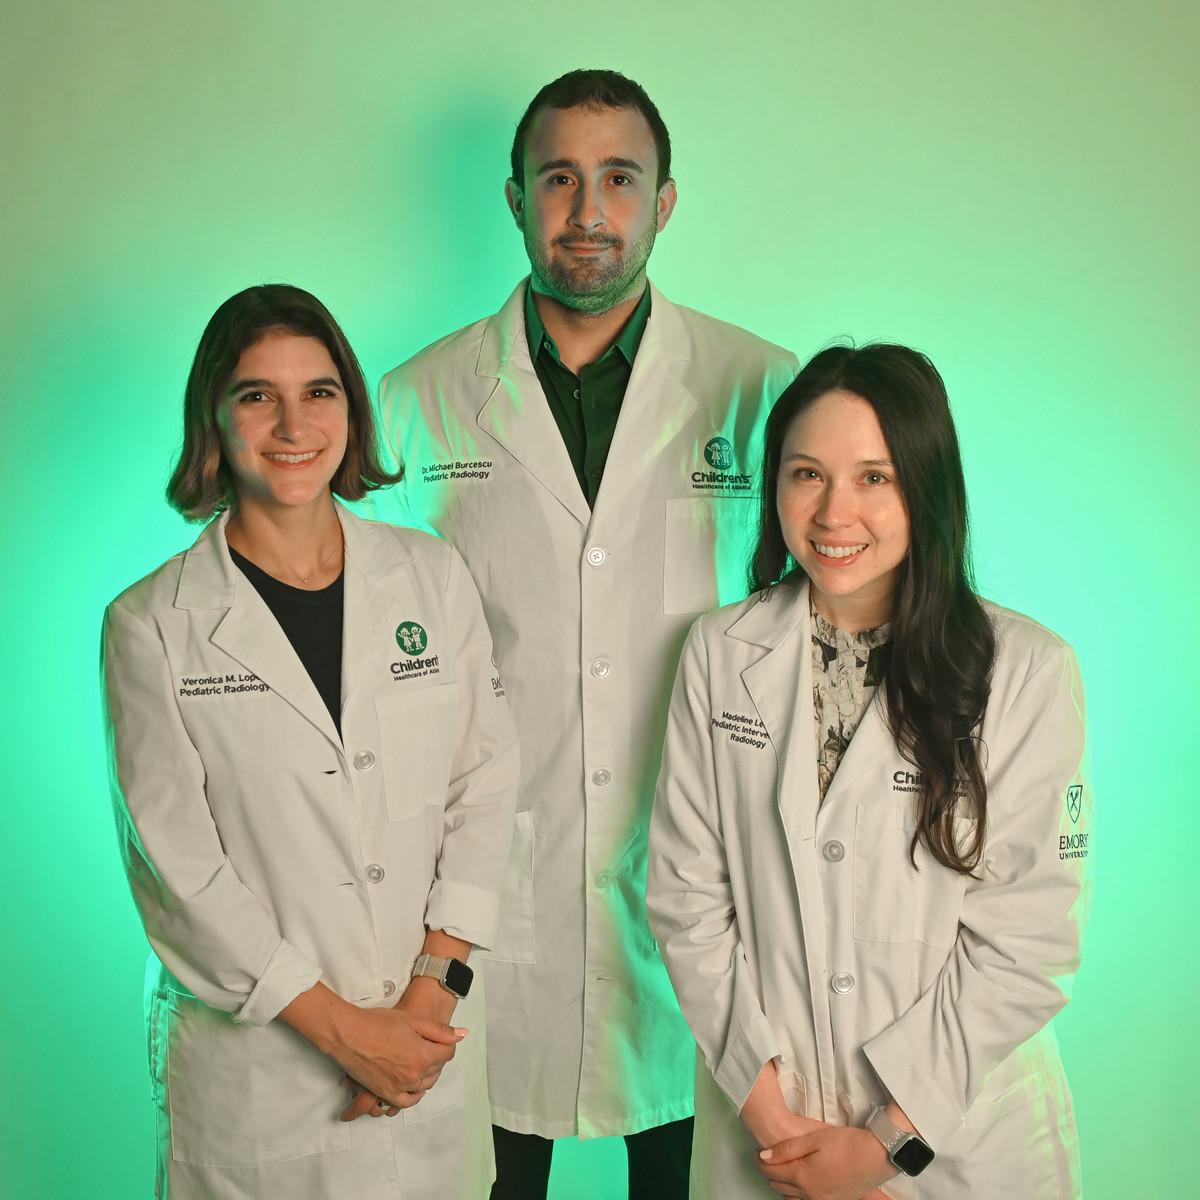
(516, 202)
(666, 203)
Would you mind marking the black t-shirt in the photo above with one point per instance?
(312, 622)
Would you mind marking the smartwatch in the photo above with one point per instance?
(907, 1152)
(455, 976)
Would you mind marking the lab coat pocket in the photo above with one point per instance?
(514, 928)
(418, 730)
(893, 900)
(707, 541)
(242, 1096)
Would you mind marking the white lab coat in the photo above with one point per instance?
(588, 610)
(265, 853)
(800, 931)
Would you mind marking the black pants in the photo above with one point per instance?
(658, 1163)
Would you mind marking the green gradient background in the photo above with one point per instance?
(1011, 187)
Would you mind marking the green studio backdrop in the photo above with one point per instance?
(1011, 187)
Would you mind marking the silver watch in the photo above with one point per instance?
(907, 1151)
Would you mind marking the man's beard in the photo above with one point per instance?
(591, 285)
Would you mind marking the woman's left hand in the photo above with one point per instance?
(832, 1163)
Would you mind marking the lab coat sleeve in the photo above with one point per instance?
(482, 793)
(205, 926)
(689, 897)
(1022, 921)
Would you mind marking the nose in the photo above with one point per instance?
(289, 419)
(587, 212)
(835, 508)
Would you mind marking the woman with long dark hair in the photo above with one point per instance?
(314, 775)
(869, 849)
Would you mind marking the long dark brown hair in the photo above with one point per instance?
(938, 671)
(201, 483)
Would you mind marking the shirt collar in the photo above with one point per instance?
(627, 341)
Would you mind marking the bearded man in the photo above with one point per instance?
(591, 451)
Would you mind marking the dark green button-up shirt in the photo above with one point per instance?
(586, 406)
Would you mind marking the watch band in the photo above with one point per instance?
(906, 1151)
(453, 975)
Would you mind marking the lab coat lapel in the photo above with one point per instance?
(370, 605)
(248, 632)
(871, 741)
(780, 685)
(657, 403)
(516, 413)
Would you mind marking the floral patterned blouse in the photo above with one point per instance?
(846, 669)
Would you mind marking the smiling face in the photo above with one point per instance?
(841, 509)
(283, 422)
(588, 206)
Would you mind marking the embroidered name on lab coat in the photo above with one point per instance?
(232, 683)
(747, 731)
(480, 468)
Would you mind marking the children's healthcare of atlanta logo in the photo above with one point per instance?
(718, 453)
(410, 637)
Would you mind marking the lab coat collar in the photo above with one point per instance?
(249, 633)
(780, 684)
(656, 404)
(516, 413)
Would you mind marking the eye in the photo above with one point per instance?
(620, 180)
(874, 478)
(560, 180)
(251, 397)
(806, 474)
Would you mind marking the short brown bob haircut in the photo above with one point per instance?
(201, 483)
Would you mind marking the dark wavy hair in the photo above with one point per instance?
(201, 483)
(938, 670)
(593, 89)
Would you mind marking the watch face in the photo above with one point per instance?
(458, 977)
(913, 1156)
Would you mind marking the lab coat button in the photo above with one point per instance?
(601, 667)
(842, 983)
(388, 987)
(596, 555)
(834, 851)
(600, 776)
(375, 873)
(603, 879)
(364, 760)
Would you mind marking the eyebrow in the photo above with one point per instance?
(862, 462)
(242, 385)
(560, 164)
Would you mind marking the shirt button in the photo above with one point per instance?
(834, 851)
(364, 760)
(596, 555)
(600, 776)
(576, 393)
(842, 983)
(602, 879)
(388, 987)
(595, 474)
(601, 667)
(375, 873)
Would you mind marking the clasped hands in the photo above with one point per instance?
(399, 1052)
(827, 1162)
(808, 1159)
